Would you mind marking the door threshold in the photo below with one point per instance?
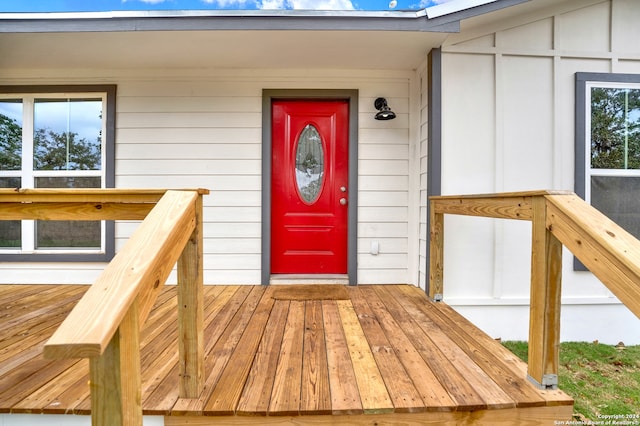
(279, 279)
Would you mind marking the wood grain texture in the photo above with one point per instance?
(270, 361)
(315, 397)
(373, 391)
(190, 309)
(610, 252)
(136, 272)
(545, 300)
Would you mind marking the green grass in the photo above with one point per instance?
(602, 379)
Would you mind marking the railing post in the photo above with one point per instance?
(544, 316)
(190, 311)
(436, 253)
(115, 377)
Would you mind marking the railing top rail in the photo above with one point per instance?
(142, 265)
(611, 253)
(84, 195)
(518, 194)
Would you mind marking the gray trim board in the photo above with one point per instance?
(108, 163)
(352, 238)
(580, 130)
(434, 140)
(581, 80)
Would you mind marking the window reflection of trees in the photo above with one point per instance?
(309, 164)
(52, 151)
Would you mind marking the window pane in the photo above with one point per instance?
(619, 199)
(67, 234)
(10, 134)
(615, 128)
(67, 134)
(10, 230)
(309, 164)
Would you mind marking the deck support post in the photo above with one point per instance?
(544, 317)
(436, 254)
(115, 381)
(190, 311)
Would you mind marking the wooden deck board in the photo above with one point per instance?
(384, 351)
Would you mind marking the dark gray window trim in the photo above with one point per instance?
(109, 165)
(268, 95)
(434, 141)
(581, 80)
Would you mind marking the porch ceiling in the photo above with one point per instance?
(218, 49)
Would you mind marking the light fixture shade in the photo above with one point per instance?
(384, 112)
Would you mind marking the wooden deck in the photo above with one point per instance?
(277, 355)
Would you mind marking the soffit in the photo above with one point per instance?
(218, 49)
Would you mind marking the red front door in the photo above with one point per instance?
(309, 183)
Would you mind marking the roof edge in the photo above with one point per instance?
(463, 9)
(443, 18)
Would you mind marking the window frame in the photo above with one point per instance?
(108, 164)
(583, 82)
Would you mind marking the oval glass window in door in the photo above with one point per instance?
(309, 164)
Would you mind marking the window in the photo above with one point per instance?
(608, 145)
(57, 137)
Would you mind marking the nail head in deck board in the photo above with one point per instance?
(373, 392)
(435, 396)
(401, 389)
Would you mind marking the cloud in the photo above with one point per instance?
(306, 4)
(228, 4)
(426, 3)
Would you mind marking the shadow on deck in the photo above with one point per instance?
(275, 355)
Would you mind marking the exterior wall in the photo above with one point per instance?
(508, 125)
(202, 128)
(423, 75)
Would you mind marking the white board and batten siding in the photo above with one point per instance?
(512, 85)
(195, 128)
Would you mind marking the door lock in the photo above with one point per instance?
(343, 201)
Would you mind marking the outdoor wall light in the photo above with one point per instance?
(384, 112)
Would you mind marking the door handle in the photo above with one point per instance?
(343, 201)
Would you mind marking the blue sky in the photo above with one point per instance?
(118, 5)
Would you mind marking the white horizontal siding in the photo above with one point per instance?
(203, 129)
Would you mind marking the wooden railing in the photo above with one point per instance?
(558, 218)
(104, 326)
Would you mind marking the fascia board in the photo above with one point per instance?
(38, 23)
